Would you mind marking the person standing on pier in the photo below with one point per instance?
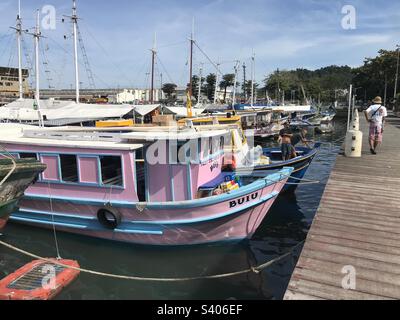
(376, 115)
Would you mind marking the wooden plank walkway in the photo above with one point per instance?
(357, 224)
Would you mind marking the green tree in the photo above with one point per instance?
(375, 73)
(226, 82)
(209, 86)
(169, 89)
(318, 83)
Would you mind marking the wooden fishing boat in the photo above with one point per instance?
(300, 164)
(145, 186)
(16, 175)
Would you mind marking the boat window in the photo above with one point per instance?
(69, 168)
(139, 154)
(111, 170)
(27, 155)
(211, 146)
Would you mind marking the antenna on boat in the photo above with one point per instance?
(153, 57)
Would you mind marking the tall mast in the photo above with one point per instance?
(74, 19)
(19, 35)
(244, 83)
(252, 78)
(397, 73)
(191, 62)
(200, 76)
(153, 57)
(234, 84)
(37, 34)
(216, 83)
(190, 89)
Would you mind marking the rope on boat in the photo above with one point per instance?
(9, 156)
(306, 181)
(255, 270)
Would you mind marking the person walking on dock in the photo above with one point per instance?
(376, 115)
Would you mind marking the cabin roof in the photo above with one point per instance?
(23, 110)
(173, 134)
(62, 137)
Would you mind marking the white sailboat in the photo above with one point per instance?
(51, 111)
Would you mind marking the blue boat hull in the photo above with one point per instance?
(300, 164)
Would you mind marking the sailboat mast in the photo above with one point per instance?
(200, 80)
(216, 83)
(19, 35)
(252, 78)
(191, 63)
(244, 83)
(234, 84)
(74, 19)
(37, 36)
(153, 57)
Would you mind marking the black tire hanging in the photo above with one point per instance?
(109, 217)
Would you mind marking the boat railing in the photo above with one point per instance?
(75, 136)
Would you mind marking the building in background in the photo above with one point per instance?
(136, 96)
(9, 84)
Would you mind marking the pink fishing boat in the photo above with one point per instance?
(160, 187)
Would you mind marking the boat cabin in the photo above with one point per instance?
(130, 166)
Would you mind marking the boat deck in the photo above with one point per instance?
(356, 228)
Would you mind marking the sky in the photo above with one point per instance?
(119, 34)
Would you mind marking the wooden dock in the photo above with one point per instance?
(358, 225)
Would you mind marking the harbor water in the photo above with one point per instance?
(285, 226)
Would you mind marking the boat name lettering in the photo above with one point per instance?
(215, 165)
(243, 200)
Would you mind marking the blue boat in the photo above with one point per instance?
(300, 164)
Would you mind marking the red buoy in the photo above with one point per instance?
(39, 280)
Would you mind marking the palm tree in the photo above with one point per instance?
(228, 80)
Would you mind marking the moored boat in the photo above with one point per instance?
(136, 187)
(300, 164)
(15, 176)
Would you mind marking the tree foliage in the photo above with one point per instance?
(169, 89)
(318, 84)
(226, 82)
(375, 73)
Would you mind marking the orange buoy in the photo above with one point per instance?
(39, 280)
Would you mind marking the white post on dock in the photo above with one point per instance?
(350, 103)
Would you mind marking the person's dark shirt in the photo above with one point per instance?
(298, 137)
(285, 131)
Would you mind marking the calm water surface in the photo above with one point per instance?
(285, 226)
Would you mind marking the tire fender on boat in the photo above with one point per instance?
(109, 217)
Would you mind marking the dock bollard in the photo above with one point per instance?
(353, 142)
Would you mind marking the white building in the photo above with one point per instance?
(136, 96)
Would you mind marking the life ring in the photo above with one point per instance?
(109, 217)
